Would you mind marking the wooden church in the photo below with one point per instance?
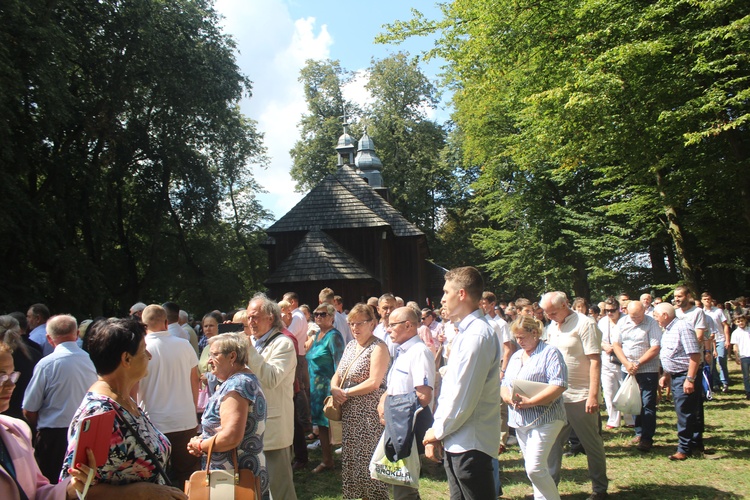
(344, 234)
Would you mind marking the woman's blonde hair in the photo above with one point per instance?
(361, 310)
(527, 324)
(236, 342)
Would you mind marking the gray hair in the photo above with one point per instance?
(235, 342)
(555, 299)
(138, 306)
(184, 315)
(10, 332)
(328, 307)
(269, 308)
(62, 325)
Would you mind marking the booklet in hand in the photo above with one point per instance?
(529, 389)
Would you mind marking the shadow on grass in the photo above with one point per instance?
(672, 492)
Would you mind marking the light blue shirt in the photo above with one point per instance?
(39, 335)
(59, 383)
(468, 412)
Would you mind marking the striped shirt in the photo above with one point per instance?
(546, 365)
(678, 342)
(637, 339)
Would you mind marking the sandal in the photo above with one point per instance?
(312, 436)
(322, 468)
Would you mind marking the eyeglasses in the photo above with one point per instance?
(320, 315)
(425, 318)
(214, 355)
(13, 377)
(607, 311)
(358, 323)
(397, 323)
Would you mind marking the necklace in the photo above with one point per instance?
(124, 401)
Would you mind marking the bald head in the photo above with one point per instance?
(62, 328)
(636, 311)
(403, 324)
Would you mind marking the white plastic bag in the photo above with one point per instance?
(404, 472)
(628, 398)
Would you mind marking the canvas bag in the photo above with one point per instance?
(404, 472)
(628, 397)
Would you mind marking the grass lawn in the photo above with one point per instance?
(724, 474)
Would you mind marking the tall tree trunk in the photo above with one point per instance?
(674, 228)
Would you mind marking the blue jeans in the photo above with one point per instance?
(645, 423)
(687, 407)
(720, 372)
(745, 362)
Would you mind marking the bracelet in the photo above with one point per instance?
(346, 392)
(200, 447)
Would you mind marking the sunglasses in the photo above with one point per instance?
(320, 315)
(610, 310)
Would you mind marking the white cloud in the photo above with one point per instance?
(273, 49)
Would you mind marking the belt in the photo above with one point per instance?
(680, 374)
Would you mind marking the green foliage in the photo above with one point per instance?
(609, 134)
(122, 138)
(313, 155)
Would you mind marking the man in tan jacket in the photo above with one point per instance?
(274, 361)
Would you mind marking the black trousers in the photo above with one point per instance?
(470, 475)
(51, 445)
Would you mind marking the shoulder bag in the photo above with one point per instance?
(146, 448)
(235, 484)
(331, 409)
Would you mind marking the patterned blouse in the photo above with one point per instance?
(128, 462)
(250, 450)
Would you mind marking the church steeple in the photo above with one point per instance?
(346, 145)
(368, 162)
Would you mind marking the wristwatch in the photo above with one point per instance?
(691, 379)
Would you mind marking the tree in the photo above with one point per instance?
(646, 101)
(123, 137)
(408, 144)
(313, 155)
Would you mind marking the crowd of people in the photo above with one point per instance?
(254, 386)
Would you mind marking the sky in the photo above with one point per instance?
(274, 39)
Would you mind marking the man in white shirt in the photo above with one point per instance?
(467, 419)
(56, 389)
(169, 392)
(412, 370)
(386, 305)
(580, 342)
(646, 300)
(721, 340)
(173, 320)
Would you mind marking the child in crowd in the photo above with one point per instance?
(741, 339)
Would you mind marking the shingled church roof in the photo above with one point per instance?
(318, 258)
(343, 200)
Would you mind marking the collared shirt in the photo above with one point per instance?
(381, 333)
(178, 331)
(260, 343)
(468, 410)
(678, 342)
(39, 335)
(59, 383)
(436, 327)
(637, 339)
(576, 337)
(546, 365)
(413, 366)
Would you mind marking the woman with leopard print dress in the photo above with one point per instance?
(365, 363)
